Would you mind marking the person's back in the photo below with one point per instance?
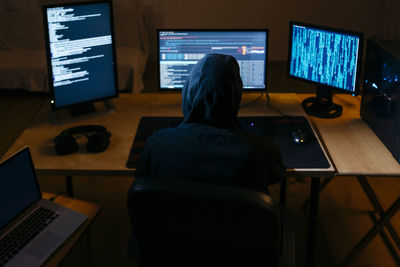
(209, 146)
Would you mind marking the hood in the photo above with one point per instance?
(212, 92)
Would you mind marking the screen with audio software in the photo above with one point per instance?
(325, 56)
(80, 51)
(180, 50)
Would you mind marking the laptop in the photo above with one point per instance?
(31, 228)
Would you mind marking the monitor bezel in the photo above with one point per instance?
(332, 29)
(48, 54)
(264, 30)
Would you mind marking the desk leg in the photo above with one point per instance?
(386, 239)
(86, 249)
(324, 183)
(372, 233)
(377, 206)
(312, 221)
(282, 194)
(68, 183)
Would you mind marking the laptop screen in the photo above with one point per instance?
(18, 186)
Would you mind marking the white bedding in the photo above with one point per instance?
(22, 54)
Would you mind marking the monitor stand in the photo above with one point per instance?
(322, 105)
(87, 108)
(81, 111)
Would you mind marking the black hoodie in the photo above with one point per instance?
(209, 146)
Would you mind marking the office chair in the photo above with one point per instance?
(183, 223)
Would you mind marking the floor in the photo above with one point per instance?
(344, 217)
(344, 212)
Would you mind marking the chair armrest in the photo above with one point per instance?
(288, 239)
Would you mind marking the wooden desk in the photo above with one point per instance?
(122, 123)
(89, 209)
(355, 150)
(353, 146)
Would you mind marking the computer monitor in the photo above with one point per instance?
(330, 58)
(380, 107)
(179, 50)
(81, 54)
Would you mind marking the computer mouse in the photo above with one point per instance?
(299, 136)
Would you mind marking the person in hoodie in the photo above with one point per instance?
(209, 145)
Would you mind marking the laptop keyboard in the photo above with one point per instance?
(14, 241)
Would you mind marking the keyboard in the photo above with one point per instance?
(277, 128)
(20, 236)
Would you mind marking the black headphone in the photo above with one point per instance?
(98, 139)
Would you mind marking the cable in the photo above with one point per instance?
(38, 109)
(57, 195)
(358, 98)
(252, 101)
(44, 96)
(275, 108)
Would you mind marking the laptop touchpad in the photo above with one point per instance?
(43, 245)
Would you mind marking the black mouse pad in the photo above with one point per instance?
(307, 155)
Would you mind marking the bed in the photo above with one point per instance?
(22, 53)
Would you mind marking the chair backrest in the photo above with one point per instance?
(195, 224)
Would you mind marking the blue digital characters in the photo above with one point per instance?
(326, 57)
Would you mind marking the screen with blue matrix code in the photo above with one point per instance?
(324, 56)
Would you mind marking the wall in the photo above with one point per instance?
(372, 17)
(356, 15)
(390, 20)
